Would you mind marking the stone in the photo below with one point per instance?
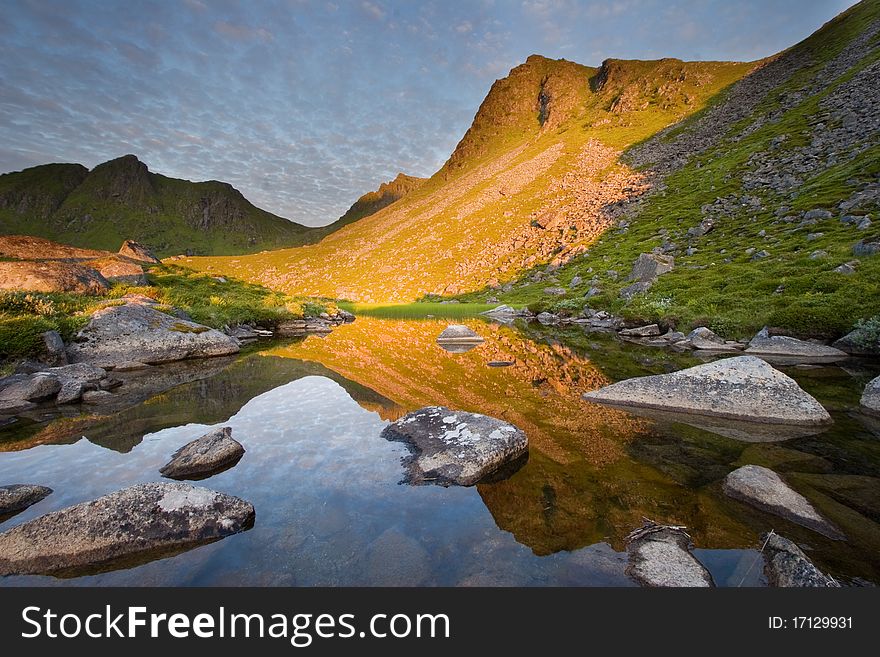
(741, 388)
(15, 498)
(593, 291)
(214, 452)
(817, 214)
(555, 291)
(500, 363)
(763, 489)
(134, 524)
(80, 372)
(870, 402)
(761, 254)
(501, 310)
(459, 333)
(641, 331)
(818, 253)
(814, 236)
(547, 318)
(347, 317)
(70, 393)
(847, 268)
(396, 559)
(575, 281)
(861, 248)
(51, 276)
(15, 406)
(648, 266)
(120, 270)
(661, 556)
(136, 251)
(704, 338)
(118, 334)
(53, 348)
(130, 366)
(863, 224)
(633, 289)
(456, 448)
(34, 388)
(96, 396)
(786, 566)
(861, 341)
(782, 345)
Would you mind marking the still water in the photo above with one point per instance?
(326, 487)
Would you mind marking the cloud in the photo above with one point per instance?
(373, 9)
(465, 27)
(242, 32)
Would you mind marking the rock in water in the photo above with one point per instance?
(51, 276)
(642, 331)
(783, 345)
(136, 251)
(454, 447)
(741, 388)
(703, 338)
(787, 566)
(138, 332)
(33, 388)
(871, 397)
(131, 524)
(212, 453)
(661, 556)
(17, 497)
(458, 333)
(764, 489)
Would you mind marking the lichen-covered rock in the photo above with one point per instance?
(212, 453)
(15, 498)
(787, 566)
(782, 345)
(661, 556)
(51, 276)
(454, 447)
(742, 388)
(764, 489)
(871, 397)
(130, 524)
(135, 332)
(119, 270)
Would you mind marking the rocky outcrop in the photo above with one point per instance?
(212, 453)
(17, 497)
(741, 388)
(135, 332)
(139, 252)
(871, 398)
(457, 333)
(764, 489)
(661, 556)
(782, 345)
(645, 270)
(51, 276)
(119, 270)
(787, 566)
(133, 524)
(453, 447)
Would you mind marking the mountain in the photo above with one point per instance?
(568, 173)
(121, 199)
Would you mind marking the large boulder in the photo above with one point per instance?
(787, 566)
(32, 388)
(871, 397)
(661, 556)
(136, 251)
(53, 352)
(135, 332)
(212, 453)
(741, 388)
(119, 270)
(458, 333)
(454, 447)
(15, 498)
(648, 266)
(764, 489)
(128, 525)
(51, 276)
(782, 345)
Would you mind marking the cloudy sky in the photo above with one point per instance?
(305, 104)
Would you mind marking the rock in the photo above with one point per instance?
(763, 489)
(134, 524)
(741, 388)
(501, 310)
(819, 253)
(36, 387)
(212, 453)
(787, 566)
(761, 254)
(633, 289)
(555, 291)
(871, 397)
(547, 318)
(15, 406)
(129, 366)
(814, 236)
(118, 334)
(782, 345)
(703, 338)
(70, 393)
(661, 556)
(500, 363)
(346, 316)
(648, 266)
(704, 227)
(454, 447)
(80, 372)
(593, 291)
(863, 224)
(575, 281)
(847, 268)
(817, 214)
(641, 331)
(96, 396)
(51, 276)
(17, 497)
(109, 383)
(458, 333)
(136, 251)
(861, 248)
(54, 353)
(860, 342)
(410, 565)
(119, 270)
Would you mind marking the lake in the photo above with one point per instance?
(330, 506)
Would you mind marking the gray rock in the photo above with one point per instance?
(395, 559)
(814, 236)
(79, 372)
(454, 447)
(555, 291)
(633, 289)
(761, 255)
(706, 339)
(863, 248)
(130, 366)
(863, 224)
(501, 310)
(847, 268)
(648, 266)
(36, 387)
(135, 524)
(740, 388)
(17, 497)
(575, 281)
(871, 397)
(459, 333)
(642, 331)
(817, 214)
(593, 291)
(547, 318)
(96, 396)
(70, 393)
(859, 342)
(212, 453)
(54, 353)
(660, 556)
(765, 490)
(138, 332)
(136, 251)
(15, 406)
(817, 254)
(787, 566)
(782, 345)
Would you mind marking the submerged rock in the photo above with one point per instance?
(871, 397)
(212, 453)
(458, 333)
(764, 489)
(17, 497)
(743, 388)
(454, 447)
(660, 555)
(787, 566)
(132, 524)
(138, 332)
(782, 345)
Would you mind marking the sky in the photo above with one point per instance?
(304, 105)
